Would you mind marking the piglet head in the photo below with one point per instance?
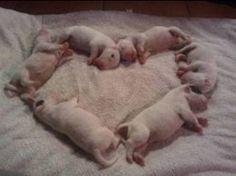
(197, 101)
(127, 50)
(110, 58)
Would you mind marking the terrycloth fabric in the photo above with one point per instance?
(33, 149)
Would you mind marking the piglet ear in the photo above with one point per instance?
(196, 90)
(173, 33)
(187, 89)
(123, 131)
(39, 105)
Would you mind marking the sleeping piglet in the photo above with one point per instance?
(200, 69)
(44, 42)
(81, 126)
(162, 120)
(156, 39)
(102, 49)
(35, 71)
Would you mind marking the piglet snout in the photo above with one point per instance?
(180, 73)
(99, 64)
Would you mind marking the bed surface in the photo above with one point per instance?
(31, 148)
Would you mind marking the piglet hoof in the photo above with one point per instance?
(180, 73)
(180, 57)
(129, 158)
(194, 128)
(141, 60)
(138, 158)
(66, 45)
(203, 121)
(90, 61)
(68, 52)
(176, 57)
(198, 129)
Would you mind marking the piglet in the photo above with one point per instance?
(162, 120)
(102, 49)
(44, 42)
(200, 67)
(156, 39)
(81, 126)
(35, 71)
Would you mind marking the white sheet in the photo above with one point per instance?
(31, 148)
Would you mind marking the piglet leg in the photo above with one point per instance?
(180, 57)
(137, 138)
(178, 33)
(141, 51)
(191, 67)
(94, 52)
(66, 51)
(191, 119)
(203, 121)
(191, 127)
(183, 69)
(129, 151)
(144, 57)
(180, 72)
(62, 60)
(138, 155)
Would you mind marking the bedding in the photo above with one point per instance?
(32, 148)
